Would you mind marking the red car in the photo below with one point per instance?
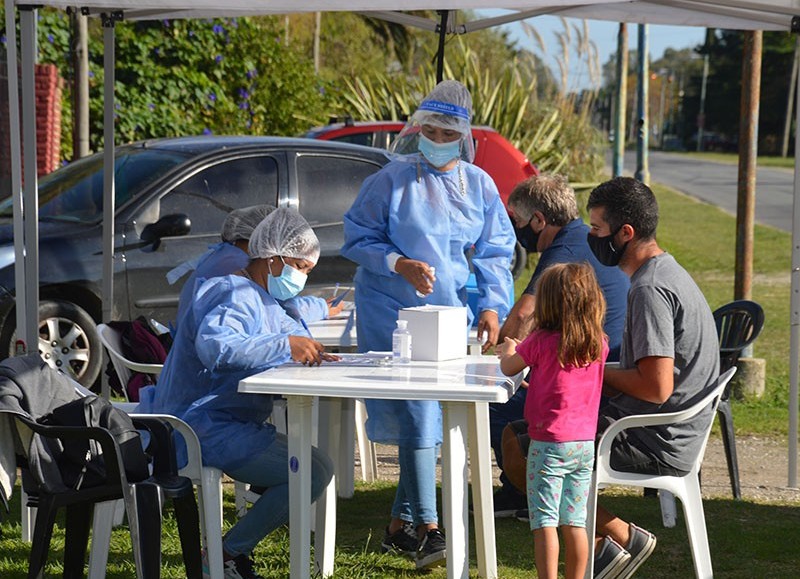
(506, 164)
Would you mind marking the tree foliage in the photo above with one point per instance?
(188, 77)
(678, 76)
(256, 76)
(553, 132)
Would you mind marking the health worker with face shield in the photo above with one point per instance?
(235, 328)
(410, 230)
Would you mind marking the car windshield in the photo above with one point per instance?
(75, 193)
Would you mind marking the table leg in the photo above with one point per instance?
(299, 465)
(481, 469)
(347, 449)
(454, 488)
(330, 427)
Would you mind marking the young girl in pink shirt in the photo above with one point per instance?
(565, 352)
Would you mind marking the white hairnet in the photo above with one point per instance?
(449, 106)
(240, 223)
(286, 233)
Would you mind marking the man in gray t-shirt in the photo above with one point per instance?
(669, 358)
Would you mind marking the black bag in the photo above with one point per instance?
(80, 462)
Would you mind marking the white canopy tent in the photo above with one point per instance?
(729, 14)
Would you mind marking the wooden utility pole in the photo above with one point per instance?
(787, 123)
(748, 152)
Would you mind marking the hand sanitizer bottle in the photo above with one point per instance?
(401, 343)
(433, 274)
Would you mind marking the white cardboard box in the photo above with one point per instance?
(437, 332)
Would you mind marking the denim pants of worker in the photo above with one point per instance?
(269, 469)
(500, 415)
(415, 500)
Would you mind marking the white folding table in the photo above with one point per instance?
(464, 387)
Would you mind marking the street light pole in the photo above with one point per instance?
(642, 169)
(621, 99)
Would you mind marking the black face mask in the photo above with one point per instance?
(527, 237)
(604, 250)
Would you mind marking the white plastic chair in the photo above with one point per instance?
(122, 365)
(208, 481)
(686, 487)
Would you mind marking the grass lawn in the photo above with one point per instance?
(748, 539)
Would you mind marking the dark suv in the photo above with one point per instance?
(172, 196)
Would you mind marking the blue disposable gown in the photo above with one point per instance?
(414, 210)
(225, 258)
(234, 329)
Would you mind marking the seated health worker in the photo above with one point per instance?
(230, 255)
(235, 328)
(425, 210)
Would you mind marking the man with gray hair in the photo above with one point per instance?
(547, 221)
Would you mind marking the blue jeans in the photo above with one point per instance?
(415, 500)
(269, 469)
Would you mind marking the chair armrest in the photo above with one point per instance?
(110, 448)
(161, 446)
(193, 449)
(144, 368)
(658, 418)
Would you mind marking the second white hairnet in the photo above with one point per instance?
(240, 223)
(448, 106)
(286, 233)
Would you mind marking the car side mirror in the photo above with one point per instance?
(173, 225)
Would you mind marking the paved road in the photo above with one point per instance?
(715, 183)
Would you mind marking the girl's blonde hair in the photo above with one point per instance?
(569, 300)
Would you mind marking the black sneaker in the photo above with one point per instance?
(240, 567)
(523, 515)
(432, 550)
(507, 503)
(640, 546)
(404, 540)
(610, 560)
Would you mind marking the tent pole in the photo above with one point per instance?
(794, 314)
(27, 26)
(109, 21)
(442, 30)
(16, 165)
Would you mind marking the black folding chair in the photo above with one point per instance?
(143, 501)
(738, 325)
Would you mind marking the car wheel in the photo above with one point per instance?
(519, 261)
(68, 340)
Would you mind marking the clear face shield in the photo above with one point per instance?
(437, 114)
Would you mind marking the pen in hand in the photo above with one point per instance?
(305, 325)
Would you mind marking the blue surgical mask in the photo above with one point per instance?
(287, 285)
(439, 154)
